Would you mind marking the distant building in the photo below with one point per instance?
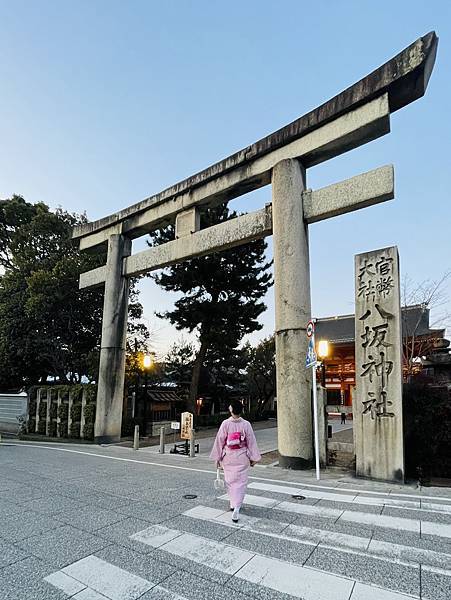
(430, 351)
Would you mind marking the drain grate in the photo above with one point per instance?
(190, 496)
(298, 497)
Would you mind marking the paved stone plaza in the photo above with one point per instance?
(96, 523)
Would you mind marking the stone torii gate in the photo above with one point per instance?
(354, 117)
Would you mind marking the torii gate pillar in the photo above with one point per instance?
(292, 313)
(110, 389)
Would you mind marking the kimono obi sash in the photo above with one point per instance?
(236, 440)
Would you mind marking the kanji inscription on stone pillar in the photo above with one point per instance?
(377, 403)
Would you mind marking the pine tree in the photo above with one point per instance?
(222, 293)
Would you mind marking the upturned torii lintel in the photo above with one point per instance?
(403, 79)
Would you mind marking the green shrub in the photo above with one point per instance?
(32, 407)
(53, 410)
(76, 393)
(74, 430)
(91, 393)
(90, 413)
(64, 392)
(50, 394)
(63, 411)
(88, 431)
(31, 425)
(427, 431)
(33, 392)
(75, 412)
(62, 429)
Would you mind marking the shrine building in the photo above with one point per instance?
(337, 371)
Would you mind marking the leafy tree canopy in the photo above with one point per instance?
(48, 327)
(261, 374)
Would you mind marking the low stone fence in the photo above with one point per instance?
(13, 409)
(62, 411)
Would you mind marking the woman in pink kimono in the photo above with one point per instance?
(235, 449)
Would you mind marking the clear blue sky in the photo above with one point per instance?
(104, 103)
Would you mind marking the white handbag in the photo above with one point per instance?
(219, 481)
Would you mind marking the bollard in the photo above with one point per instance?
(329, 431)
(192, 445)
(136, 438)
(162, 440)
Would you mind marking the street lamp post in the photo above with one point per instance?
(199, 403)
(135, 393)
(148, 361)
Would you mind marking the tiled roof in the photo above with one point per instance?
(164, 396)
(341, 329)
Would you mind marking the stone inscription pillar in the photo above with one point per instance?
(377, 403)
(112, 353)
(292, 313)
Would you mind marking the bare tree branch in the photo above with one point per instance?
(427, 295)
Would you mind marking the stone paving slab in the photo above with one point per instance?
(206, 529)
(8, 508)
(432, 516)
(277, 548)
(63, 545)
(377, 510)
(435, 586)
(22, 525)
(143, 565)
(119, 534)
(24, 580)
(23, 493)
(147, 511)
(253, 590)
(105, 501)
(52, 505)
(198, 570)
(10, 554)
(69, 518)
(89, 518)
(402, 578)
(193, 587)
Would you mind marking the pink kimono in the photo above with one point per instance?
(235, 446)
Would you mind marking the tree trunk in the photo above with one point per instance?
(194, 385)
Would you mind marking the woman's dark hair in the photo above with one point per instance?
(237, 407)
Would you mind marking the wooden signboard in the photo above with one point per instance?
(186, 425)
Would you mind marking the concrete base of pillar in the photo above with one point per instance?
(294, 402)
(295, 463)
(107, 439)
